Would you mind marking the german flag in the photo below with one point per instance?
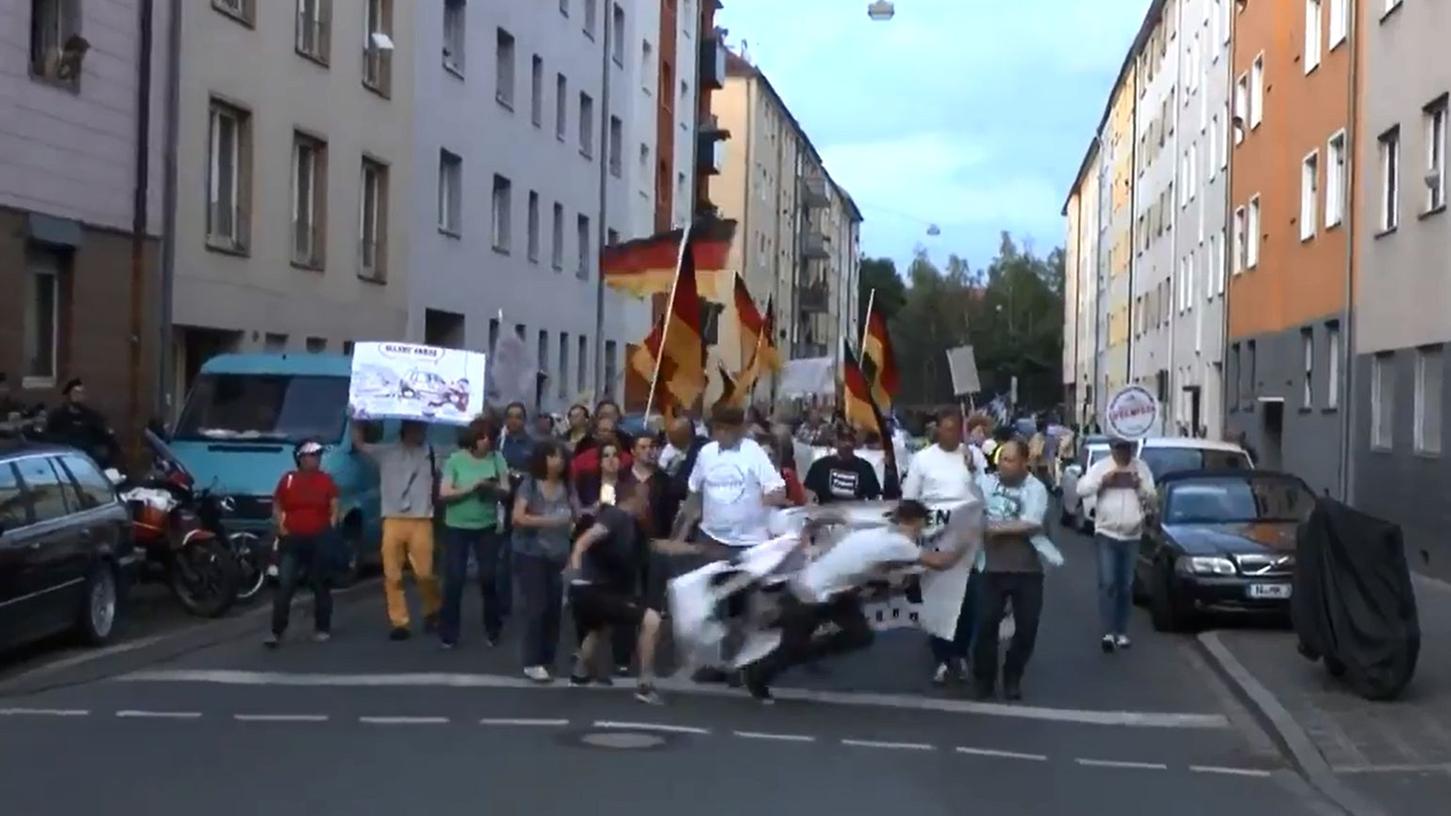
(752, 322)
(672, 356)
(861, 412)
(732, 393)
(769, 356)
(878, 363)
(646, 266)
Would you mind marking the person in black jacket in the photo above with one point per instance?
(79, 425)
(843, 476)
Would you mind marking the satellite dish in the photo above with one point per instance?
(881, 10)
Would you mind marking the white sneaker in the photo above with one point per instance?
(939, 677)
(538, 674)
(1109, 643)
(1123, 642)
(321, 637)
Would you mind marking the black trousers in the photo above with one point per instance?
(995, 589)
(799, 622)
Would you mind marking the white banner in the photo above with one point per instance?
(423, 383)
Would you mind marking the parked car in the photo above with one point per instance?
(65, 546)
(1220, 543)
(1090, 449)
(1164, 455)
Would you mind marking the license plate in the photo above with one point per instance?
(1269, 591)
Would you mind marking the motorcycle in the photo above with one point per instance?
(179, 529)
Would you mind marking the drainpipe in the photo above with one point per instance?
(139, 218)
(1347, 331)
(164, 362)
(1231, 251)
(1133, 234)
(603, 226)
(1170, 414)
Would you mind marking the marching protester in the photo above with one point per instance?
(1002, 435)
(609, 410)
(1124, 486)
(544, 426)
(842, 475)
(1014, 551)
(516, 445)
(305, 510)
(980, 440)
(79, 425)
(586, 462)
(545, 514)
(1038, 452)
(599, 486)
(946, 472)
(475, 480)
(578, 430)
(1067, 450)
(605, 594)
(828, 590)
(682, 445)
(782, 456)
(406, 473)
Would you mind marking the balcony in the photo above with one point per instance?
(712, 62)
(709, 153)
(813, 191)
(813, 298)
(815, 246)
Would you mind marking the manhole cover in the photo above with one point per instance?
(623, 740)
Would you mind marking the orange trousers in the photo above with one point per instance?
(410, 539)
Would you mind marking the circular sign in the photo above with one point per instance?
(1132, 413)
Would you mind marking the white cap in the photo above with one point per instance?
(309, 448)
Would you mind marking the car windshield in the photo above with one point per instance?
(270, 407)
(1238, 499)
(1163, 461)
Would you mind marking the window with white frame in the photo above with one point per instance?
(591, 13)
(450, 193)
(536, 90)
(556, 247)
(1241, 107)
(1189, 281)
(504, 69)
(243, 11)
(534, 226)
(1313, 16)
(1332, 364)
(617, 146)
(1428, 417)
(1382, 400)
(1252, 234)
(1390, 179)
(1309, 195)
(309, 191)
(1257, 92)
(581, 363)
(1307, 355)
(1335, 176)
(1435, 116)
(378, 46)
(1224, 126)
(228, 177)
(1240, 243)
(373, 220)
(314, 29)
(617, 36)
(41, 338)
(586, 246)
(454, 35)
(586, 124)
(561, 106)
(503, 202)
(1339, 22)
(647, 68)
(53, 24)
(1211, 273)
(1221, 265)
(562, 390)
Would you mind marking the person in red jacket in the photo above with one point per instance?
(306, 512)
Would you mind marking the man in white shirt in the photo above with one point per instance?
(1124, 487)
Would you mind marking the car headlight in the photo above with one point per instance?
(1207, 565)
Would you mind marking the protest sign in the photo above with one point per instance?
(414, 382)
(1133, 412)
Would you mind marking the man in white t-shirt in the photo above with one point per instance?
(732, 488)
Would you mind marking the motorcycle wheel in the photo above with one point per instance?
(251, 559)
(204, 578)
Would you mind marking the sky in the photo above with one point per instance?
(973, 115)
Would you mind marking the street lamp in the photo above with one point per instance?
(881, 10)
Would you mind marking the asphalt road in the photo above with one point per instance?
(362, 725)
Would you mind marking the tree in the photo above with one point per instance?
(879, 274)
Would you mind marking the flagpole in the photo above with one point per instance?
(866, 324)
(665, 322)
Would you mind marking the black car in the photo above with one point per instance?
(1220, 542)
(65, 545)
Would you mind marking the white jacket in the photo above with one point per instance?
(1120, 510)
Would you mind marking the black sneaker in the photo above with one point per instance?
(1108, 644)
(272, 641)
(400, 633)
(579, 680)
(1012, 689)
(760, 692)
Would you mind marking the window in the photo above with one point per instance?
(504, 69)
(586, 124)
(1254, 357)
(503, 195)
(612, 237)
(454, 35)
(1221, 263)
(374, 220)
(1213, 145)
(556, 249)
(53, 24)
(1238, 368)
(95, 488)
(617, 147)
(493, 335)
(314, 29)
(617, 40)
(1252, 228)
(1382, 400)
(1309, 195)
(241, 10)
(581, 365)
(316, 345)
(564, 7)
(1212, 273)
(47, 499)
(1335, 180)
(561, 97)
(378, 46)
(228, 178)
(562, 389)
(1332, 352)
(610, 367)
(591, 14)
(1436, 155)
(647, 67)
(541, 357)
(533, 226)
(1241, 241)
(42, 317)
(536, 91)
(1257, 92)
(1241, 107)
(1339, 22)
(581, 225)
(450, 193)
(1307, 353)
(14, 512)
(1312, 35)
(1390, 179)
(1428, 400)
(309, 200)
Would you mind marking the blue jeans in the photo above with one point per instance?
(1115, 582)
(485, 546)
(542, 585)
(945, 651)
(314, 555)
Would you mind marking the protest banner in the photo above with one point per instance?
(415, 382)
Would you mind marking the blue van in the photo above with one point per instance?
(245, 413)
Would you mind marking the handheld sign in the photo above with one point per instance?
(1133, 412)
(414, 382)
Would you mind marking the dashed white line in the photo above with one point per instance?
(1215, 769)
(762, 735)
(1116, 763)
(404, 720)
(281, 718)
(44, 712)
(993, 752)
(138, 714)
(638, 726)
(890, 746)
(523, 722)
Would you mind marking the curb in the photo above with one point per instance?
(1292, 740)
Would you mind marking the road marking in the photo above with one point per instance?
(1215, 769)
(523, 722)
(761, 735)
(1435, 767)
(890, 746)
(280, 718)
(992, 752)
(404, 720)
(1115, 763)
(638, 726)
(138, 714)
(44, 712)
(1134, 719)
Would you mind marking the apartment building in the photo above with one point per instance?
(1081, 285)
(1402, 303)
(72, 145)
(294, 163)
(1117, 236)
(1290, 264)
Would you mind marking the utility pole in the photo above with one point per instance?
(602, 229)
(139, 218)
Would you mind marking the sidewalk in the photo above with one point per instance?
(1389, 757)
